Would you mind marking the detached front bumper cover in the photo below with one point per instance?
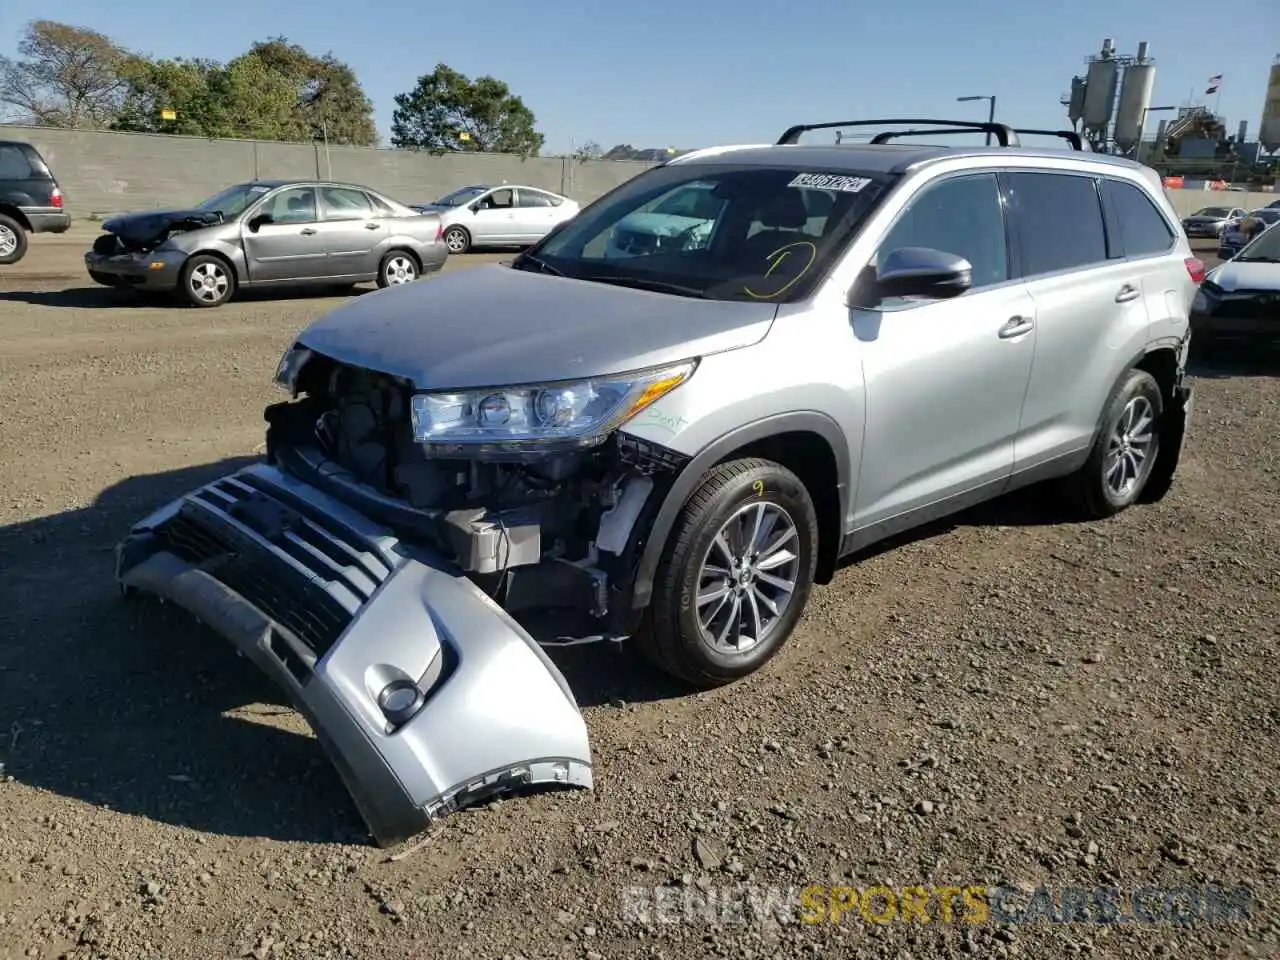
(340, 613)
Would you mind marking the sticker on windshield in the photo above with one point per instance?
(829, 181)
(256, 190)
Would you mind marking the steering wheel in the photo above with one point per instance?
(685, 238)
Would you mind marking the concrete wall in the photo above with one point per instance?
(1189, 201)
(103, 173)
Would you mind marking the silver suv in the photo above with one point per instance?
(674, 447)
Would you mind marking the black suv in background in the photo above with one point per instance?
(30, 200)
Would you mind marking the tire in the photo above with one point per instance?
(457, 240)
(676, 637)
(13, 240)
(397, 268)
(1132, 415)
(207, 281)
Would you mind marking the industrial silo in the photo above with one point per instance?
(1269, 132)
(1100, 90)
(1075, 103)
(1135, 97)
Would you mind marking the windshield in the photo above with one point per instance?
(459, 197)
(233, 201)
(721, 231)
(1212, 212)
(1265, 248)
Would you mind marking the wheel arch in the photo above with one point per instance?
(237, 274)
(13, 213)
(806, 442)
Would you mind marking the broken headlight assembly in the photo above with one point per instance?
(539, 418)
(291, 364)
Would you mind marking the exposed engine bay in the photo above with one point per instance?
(142, 233)
(553, 538)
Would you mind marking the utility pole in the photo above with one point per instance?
(991, 112)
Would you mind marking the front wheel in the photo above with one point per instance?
(735, 575)
(207, 281)
(1125, 450)
(397, 268)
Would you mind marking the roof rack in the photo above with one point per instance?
(1005, 134)
(1073, 139)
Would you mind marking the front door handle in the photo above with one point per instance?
(371, 226)
(1016, 327)
(1128, 292)
(308, 231)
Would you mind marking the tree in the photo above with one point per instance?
(330, 101)
(588, 151)
(65, 77)
(448, 112)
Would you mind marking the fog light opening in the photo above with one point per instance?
(399, 701)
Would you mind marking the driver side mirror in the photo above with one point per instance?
(260, 220)
(919, 272)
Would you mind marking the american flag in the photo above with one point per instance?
(1214, 83)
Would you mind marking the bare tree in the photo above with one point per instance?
(64, 76)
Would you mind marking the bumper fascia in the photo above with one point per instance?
(496, 713)
(48, 221)
(145, 271)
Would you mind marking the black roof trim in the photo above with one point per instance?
(1003, 133)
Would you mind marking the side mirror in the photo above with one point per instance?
(922, 272)
(260, 220)
(475, 207)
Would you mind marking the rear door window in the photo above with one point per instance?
(13, 163)
(342, 203)
(1059, 218)
(1142, 227)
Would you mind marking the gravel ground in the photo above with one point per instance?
(1004, 700)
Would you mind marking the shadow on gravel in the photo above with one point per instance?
(124, 704)
(107, 298)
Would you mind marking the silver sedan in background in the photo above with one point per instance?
(269, 233)
(506, 215)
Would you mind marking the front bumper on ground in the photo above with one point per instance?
(336, 609)
(147, 271)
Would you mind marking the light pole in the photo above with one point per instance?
(991, 113)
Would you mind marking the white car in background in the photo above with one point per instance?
(506, 215)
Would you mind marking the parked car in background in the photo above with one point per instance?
(30, 199)
(1211, 221)
(1240, 299)
(269, 233)
(506, 215)
(1235, 236)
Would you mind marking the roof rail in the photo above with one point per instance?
(1002, 132)
(1073, 139)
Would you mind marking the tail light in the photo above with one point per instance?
(439, 232)
(55, 198)
(1196, 269)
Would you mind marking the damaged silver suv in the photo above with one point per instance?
(673, 446)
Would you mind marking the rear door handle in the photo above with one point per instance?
(371, 226)
(1128, 292)
(1016, 327)
(307, 231)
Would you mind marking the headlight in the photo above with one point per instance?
(291, 364)
(567, 415)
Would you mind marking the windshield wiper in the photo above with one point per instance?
(542, 265)
(641, 283)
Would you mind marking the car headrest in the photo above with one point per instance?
(784, 211)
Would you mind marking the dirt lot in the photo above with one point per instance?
(1009, 699)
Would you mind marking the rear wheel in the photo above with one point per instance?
(207, 281)
(398, 267)
(735, 576)
(1125, 450)
(13, 240)
(457, 240)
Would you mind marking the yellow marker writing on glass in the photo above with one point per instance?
(782, 253)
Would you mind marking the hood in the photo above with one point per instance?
(150, 225)
(1232, 276)
(659, 224)
(493, 325)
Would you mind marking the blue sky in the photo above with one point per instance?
(698, 72)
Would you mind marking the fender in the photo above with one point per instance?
(810, 421)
